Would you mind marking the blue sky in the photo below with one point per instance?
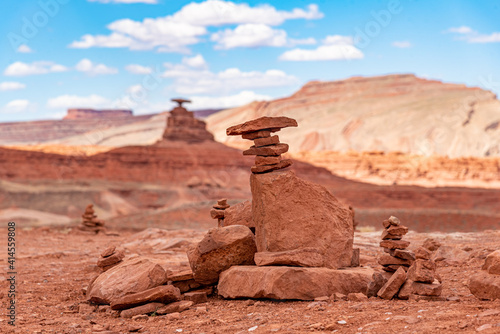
(137, 54)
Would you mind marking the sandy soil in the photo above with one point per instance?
(54, 265)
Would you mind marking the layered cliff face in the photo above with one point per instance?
(388, 113)
(93, 113)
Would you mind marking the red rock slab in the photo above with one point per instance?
(485, 286)
(262, 123)
(273, 150)
(379, 279)
(221, 204)
(269, 168)
(403, 254)
(162, 294)
(259, 142)
(391, 288)
(285, 283)
(492, 263)
(422, 253)
(255, 135)
(143, 309)
(386, 260)
(220, 249)
(306, 257)
(395, 244)
(261, 160)
(129, 277)
(112, 259)
(108, 251)
(197, 297)
(394, 232)
(185, 286)
(422, 271)
(217, 213)
(184, 275)
(179, 306)
(393, 267)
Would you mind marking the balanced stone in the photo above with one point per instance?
(268, 168)
(261, 160)
(394, 232)
(386, 260)
(266, 141)
(262, 123)
(422, 271)
(163, 294)
(217, 213)
(255, 135)
(273, 150)
(395, 244)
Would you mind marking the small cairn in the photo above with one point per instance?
(90, 222)
(423, 283)
(396, 255)
(266, 148)
(110, 258)
(218, 211)
(413, 274)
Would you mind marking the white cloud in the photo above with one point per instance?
(39, 67)
(402, 44)
(175, 32)
(249, 35)
(10, 85)
(125, 1)
(138, 69)
(18, 106)
(491, 38)
(242, 98)
(87, 66)
(460, 30)
(23, 48)
(189, 80)
(335, 47)
(471, 36)
(218, 12)
(196, 62)
(161, 34)
(74, 101)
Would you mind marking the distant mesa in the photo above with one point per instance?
(96, 113)
(183, 126)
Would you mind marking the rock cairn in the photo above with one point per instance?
(110, 258)
(395, 249)
(90, 222)
(218, 211)
(413, 273)
(266, 148)
(183, 126)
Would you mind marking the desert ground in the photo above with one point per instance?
(55, 264)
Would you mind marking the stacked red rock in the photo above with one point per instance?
(218, 211)
(421, 280)
(395, 253)
(90, 222)
(266, 148)
(110, 258)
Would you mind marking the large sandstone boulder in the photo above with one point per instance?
(485, 286)
(282, 282)
(220, 249)
(290, 213)
(129, 277)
